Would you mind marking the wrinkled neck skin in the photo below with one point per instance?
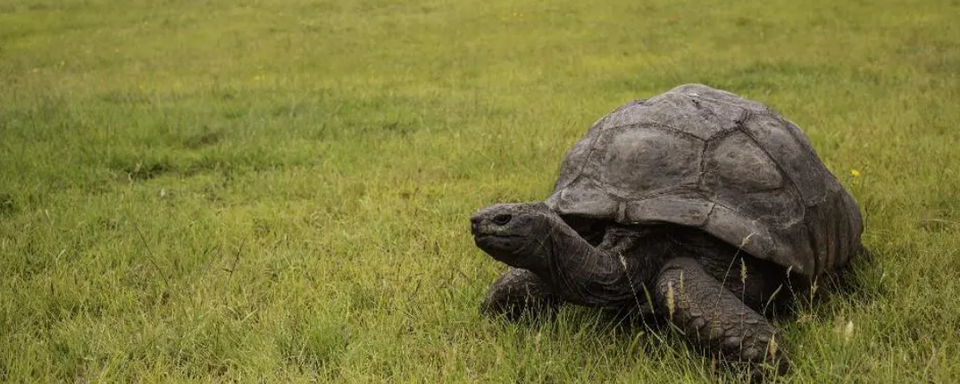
(610, 275)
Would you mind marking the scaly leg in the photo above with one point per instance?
(715, 319)
(518, 292)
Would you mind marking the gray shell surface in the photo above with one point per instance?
(707, 158)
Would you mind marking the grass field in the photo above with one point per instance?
(279, 190)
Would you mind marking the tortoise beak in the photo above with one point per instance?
(475, 224)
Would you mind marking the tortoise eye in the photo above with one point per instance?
(502, 219)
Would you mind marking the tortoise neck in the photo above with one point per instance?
(609, 275)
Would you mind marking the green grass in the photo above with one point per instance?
(279, 190)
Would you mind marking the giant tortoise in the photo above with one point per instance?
(697, 206)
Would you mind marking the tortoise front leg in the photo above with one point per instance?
(518, 292)
(715, 319)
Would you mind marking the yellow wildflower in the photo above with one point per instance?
(854, 173)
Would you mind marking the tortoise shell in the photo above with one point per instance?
(707, 158)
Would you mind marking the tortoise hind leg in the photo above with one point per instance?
(519, 292)
(715, 319)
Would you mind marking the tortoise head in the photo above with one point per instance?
(516, 234)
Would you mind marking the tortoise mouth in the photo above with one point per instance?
(498, 243)
(487, 241)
